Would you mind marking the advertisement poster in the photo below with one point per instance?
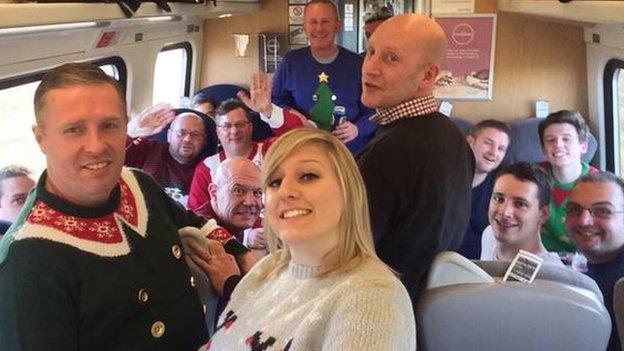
(468, 66)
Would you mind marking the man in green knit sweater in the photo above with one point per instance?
(94, 261)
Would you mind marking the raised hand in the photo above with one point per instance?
(151, 120)
(259, 99)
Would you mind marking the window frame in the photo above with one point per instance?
(120, 65)
(115, 61)
(189, 62)
(611, 131)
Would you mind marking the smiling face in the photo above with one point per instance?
(599, 239)
(82, 134)
(562, 146)
(234, 132)
(304, 202)
(489, 147)
(321, 24)
(514, 213)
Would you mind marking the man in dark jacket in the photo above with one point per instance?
(418, 168)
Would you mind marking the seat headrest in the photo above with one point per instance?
(449, 268)
(525, 144)
(548, 272)
(511, 316)
(464, 308)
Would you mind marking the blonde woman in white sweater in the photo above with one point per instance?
(322, 287)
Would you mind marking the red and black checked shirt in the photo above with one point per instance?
(416, 107)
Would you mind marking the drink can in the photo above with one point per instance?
(340, 115)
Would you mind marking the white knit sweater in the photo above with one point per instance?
(366, 308)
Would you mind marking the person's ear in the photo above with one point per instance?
(38, 132)
(430, 75)
(470, 139)
(169, 135)
(544, 213)
(584, 147)
(212, 190)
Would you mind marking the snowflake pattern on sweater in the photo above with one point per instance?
(102, 235)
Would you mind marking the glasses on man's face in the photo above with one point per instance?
(183, 133)
(242, 191)
(237, 125)
(602, 211)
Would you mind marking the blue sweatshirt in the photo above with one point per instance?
(297, 79)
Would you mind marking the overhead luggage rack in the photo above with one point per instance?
(31, 13)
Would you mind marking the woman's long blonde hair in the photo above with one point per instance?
(356, 241)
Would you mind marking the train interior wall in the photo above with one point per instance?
(534, 59)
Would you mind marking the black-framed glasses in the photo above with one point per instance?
(602, 211)
(237, 125)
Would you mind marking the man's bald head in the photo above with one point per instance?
(236, 167)
(402, 61)
(425, 34)
(188, 117)
(236, 193)
(186, 137)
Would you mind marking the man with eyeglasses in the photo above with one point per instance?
(518, 207)
(595, 222)
(171, 163)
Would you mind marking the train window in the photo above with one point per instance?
(17, 116)
(111, 70)
(114, 67)
(614, 115)
(172, 74)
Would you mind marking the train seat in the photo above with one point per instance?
(547, 272)
(221, 92)
(449, 268)
(548, 314)
(525, 144)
